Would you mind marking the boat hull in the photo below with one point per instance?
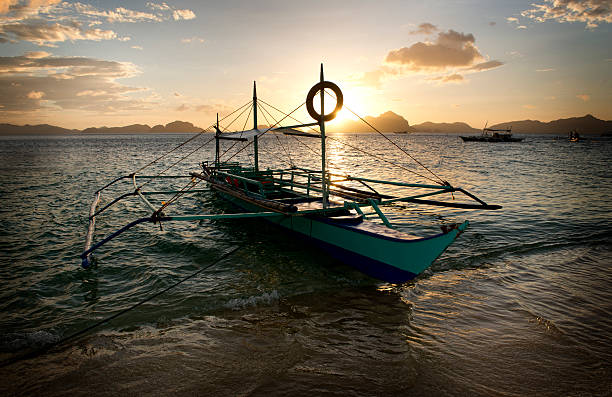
(391, 257)
(489, 139)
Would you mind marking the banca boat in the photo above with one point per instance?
(318, 206)
(493, 135)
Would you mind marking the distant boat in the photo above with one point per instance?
(492, 135)
(574, 136)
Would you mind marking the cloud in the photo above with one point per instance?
(35, 94)
(23, 9)
(36, 54)
(512, 20)
(451, 49)
(425, 28)
(137, 47)
(120, 14)
(546, 70)
(452, 53)
(591, 12)
(193, 39)
(162, 6)
(47, 22)
(584, 97)
(182, 108)
(452, 78)
(45, 34)
(212, 109)
(486, 65)
(492, 23)
(32, 82)
(530, 107)
(183, 14)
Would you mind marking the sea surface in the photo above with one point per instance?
(519, 305)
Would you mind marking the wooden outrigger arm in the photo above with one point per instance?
(85, 256)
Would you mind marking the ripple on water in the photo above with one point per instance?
(519, 305)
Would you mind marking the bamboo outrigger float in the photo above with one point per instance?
(323, 207)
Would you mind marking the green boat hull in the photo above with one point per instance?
(372, 248)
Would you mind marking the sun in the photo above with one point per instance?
(351, 111)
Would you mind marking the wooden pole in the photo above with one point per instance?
(322, 125)
(255, 139)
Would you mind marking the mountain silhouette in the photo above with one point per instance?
(386, 122)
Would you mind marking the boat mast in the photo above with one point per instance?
(255, 147)
(217, 142)
(322, 125)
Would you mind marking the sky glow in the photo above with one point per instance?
(95, 63)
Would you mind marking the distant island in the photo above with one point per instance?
(46, 129)
(584, 125)
(386, 122)
(392, 122)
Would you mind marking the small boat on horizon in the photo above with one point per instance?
(493, 135)
(573, 136)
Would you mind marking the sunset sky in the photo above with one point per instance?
(95, 63)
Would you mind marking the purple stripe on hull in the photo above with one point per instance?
(366, 265)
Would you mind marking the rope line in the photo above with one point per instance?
(190, 185)
(177, 162)
(281, 112)
(380, 158)
(286, 150)
(293, 136)
(64, 340)
(440, 180)
(237, 117)
(247, 119)
(249, 143)
(185, 142)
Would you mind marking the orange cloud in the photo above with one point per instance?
(66, 83)
(183, 14)
(35, 94)
(425, 28)
(451, 53)
(451, 78)
(45, 22)
(451, 49)
(584, 97)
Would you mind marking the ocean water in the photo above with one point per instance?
(520, 304)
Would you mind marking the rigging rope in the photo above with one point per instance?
(298, 121)
(286, 150)
(440, 180)
(64, 340)
(381, 158)
(190, 185)
(177, 162)
(186, 142)
(248, 144)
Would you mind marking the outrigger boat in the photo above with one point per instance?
(320, 206)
